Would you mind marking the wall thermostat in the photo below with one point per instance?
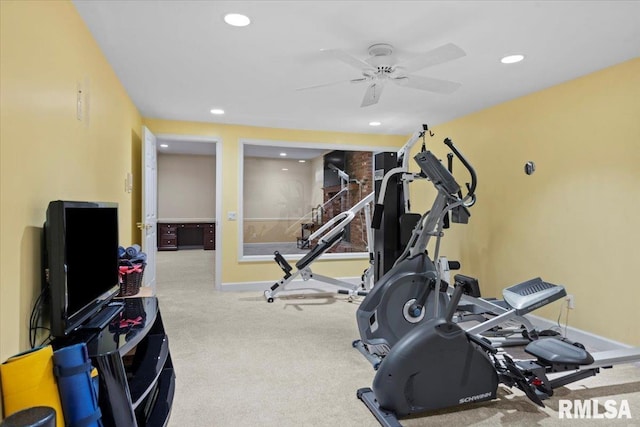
(529, 168)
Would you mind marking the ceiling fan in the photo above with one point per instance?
(381, 67)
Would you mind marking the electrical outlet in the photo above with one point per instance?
(571, 302)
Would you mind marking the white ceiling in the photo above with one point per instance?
(292, 153)
(181, 146)
(178, 59)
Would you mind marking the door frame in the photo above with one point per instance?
(218, 218)
(149, 206)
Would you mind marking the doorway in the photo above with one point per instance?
(191, 207)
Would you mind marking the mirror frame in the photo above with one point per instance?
(284, 145)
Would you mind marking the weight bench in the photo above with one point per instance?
(329, 235)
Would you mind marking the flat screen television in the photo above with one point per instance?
(81, 261)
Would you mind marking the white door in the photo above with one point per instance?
(149, 206)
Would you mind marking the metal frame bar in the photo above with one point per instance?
(603, 359)
(386, 419)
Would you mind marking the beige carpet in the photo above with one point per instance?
(242, 362)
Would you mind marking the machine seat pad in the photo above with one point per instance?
(318, 250)
(555, 351)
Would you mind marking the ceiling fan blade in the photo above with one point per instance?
(439, 55)
(348, 59)
(428, 83)
(323, 85)
(372, 95)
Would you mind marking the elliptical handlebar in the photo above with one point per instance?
(474, 178)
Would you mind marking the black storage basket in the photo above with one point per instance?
(131, 279)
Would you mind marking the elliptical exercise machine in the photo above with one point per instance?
(406, 295)
(439, 365)
(436, 363)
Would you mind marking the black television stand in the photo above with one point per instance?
(135, 371)
(104, 316)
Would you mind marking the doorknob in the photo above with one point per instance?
(143, 225)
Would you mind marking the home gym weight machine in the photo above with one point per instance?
(329, 235)
(405, 296)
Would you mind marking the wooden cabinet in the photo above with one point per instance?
(186, 235)
(209, 235)
(167, 237)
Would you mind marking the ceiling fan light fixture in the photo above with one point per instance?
(217, 111)
(512, 59)
(375, 123)
(382, 67)
(237, 19)
(380, 49)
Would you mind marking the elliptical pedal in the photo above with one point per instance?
(532, 294)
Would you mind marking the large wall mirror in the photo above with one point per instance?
(289, 190)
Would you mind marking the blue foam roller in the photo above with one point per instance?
(133, 251)
(72, 368)
(140, 258)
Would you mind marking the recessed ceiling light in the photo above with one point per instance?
(237, 19)
(302, 161)
(283, 154)
(285, 169)
(374, 123)
(217, 111)
(512, 59)
(164, 146)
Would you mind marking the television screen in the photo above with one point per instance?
(81, 241)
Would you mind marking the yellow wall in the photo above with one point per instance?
(46, 153)
(230, 135)
(575, 220)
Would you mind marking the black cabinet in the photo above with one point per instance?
(134, 364)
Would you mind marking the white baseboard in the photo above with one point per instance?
(293, 285)
(588, 339)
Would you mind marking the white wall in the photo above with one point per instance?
(186, 186)
(271, 192)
